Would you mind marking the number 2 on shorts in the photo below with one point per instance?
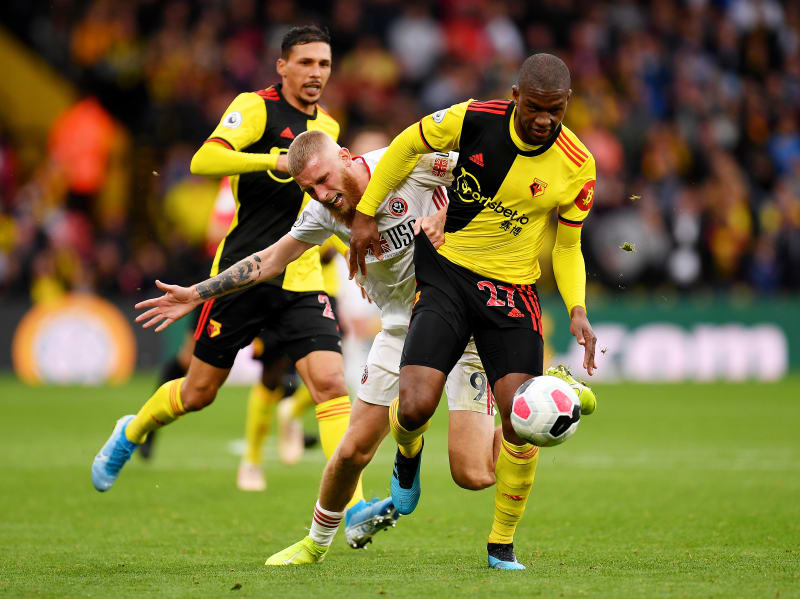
(327, 311)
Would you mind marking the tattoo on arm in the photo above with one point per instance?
(241, 275)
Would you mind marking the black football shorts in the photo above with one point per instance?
(288, 322)
(452, 303)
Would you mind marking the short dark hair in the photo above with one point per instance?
(306, 34)
(545, 72)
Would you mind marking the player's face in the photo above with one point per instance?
(325, 179)
(539, 112)
(305, 72)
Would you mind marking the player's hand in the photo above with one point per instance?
(176, 303)
(363, 236)
(579, 326)
(433, 226)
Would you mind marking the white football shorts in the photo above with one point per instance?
(466, 387)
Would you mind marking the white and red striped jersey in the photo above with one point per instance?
(390, 281)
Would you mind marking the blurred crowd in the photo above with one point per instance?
(690, 107)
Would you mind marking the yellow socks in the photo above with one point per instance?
(301, 401)
(516, 467)
(260, 410)
(333, 417)
(163, 407)
(409, 442)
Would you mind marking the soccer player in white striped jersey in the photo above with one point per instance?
(336, 180)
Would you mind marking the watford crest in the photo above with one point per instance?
(537, 187)
(213, 328)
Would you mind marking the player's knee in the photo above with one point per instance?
(353, 454)
(270, 380)
(272, 375)
(413, 414)
(328, 386)
(472, 479)
(196, 397)
(418, 401)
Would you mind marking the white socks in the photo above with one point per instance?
(324, 525)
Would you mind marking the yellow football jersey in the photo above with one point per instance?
(268, 202)
(504, 189)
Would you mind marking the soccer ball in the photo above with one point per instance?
(546, 411)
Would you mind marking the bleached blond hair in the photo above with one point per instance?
(304, 147)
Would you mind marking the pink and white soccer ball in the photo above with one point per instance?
(546, 411)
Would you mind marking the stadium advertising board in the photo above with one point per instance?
(87, 340)
(685, 340)
(80, 339)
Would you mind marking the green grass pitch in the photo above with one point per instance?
(666, 491)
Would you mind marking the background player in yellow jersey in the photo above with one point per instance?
(278, 377)
(219, 221)
(249, 145)
(517, 163)
(278, 392)
(292, 440)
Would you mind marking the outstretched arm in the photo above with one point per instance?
(178, 301)
(213, 159)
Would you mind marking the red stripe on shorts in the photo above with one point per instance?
(536, 307)
(201, 324)
(527, 306)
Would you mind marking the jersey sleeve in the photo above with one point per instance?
(395, 164)
(568, 264)
(243, 122)
(569, 267)
(435, 169)
(579, 196)
(312, 225)
(438, 132)
(441, 131)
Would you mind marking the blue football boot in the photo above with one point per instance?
(501, 557)
(112, 457)
(405, 487)
(365, 519)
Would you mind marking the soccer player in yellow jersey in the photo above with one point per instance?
(249, 145)
(517, 164)
(292, 440)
